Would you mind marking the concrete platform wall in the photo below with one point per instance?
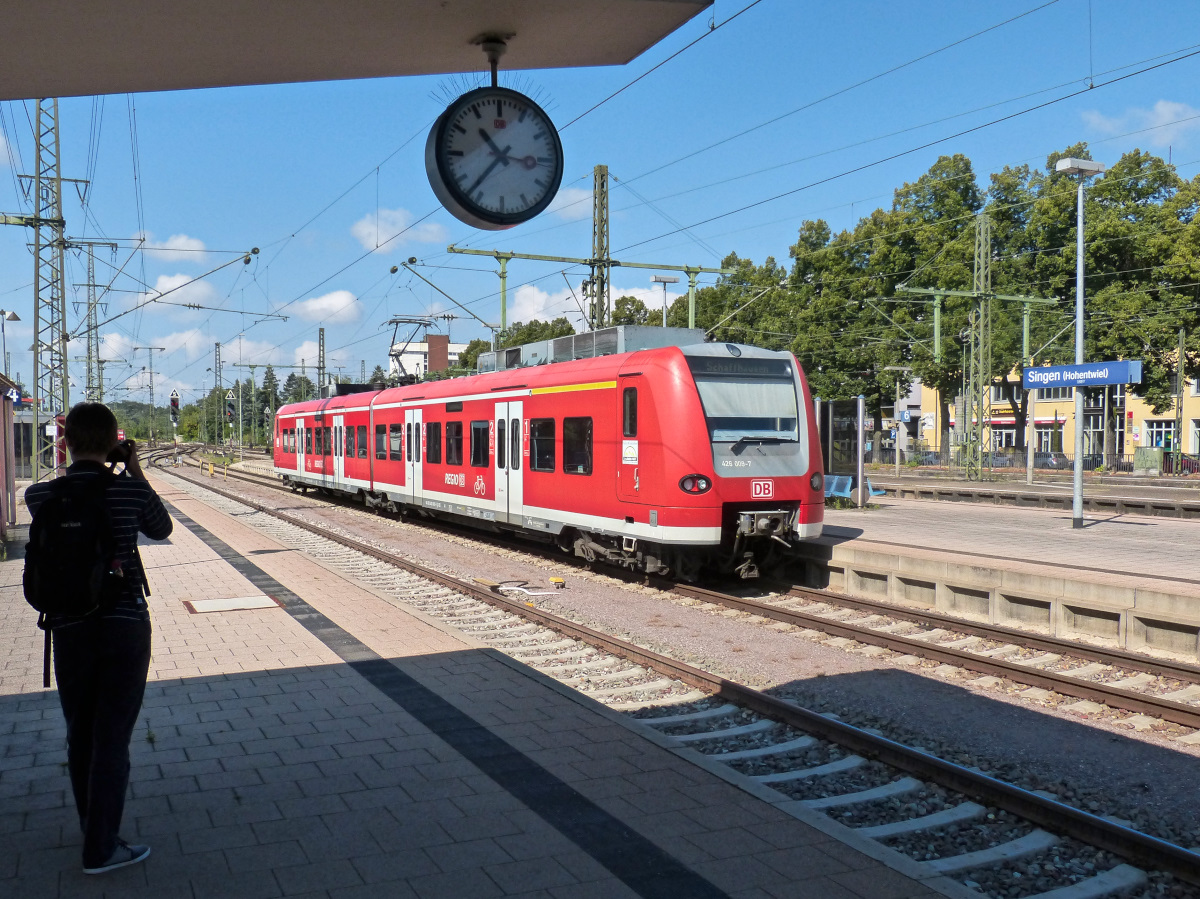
(1061, 606)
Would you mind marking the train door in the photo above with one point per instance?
(300, 445)
(633, 450)
(339, 448)
(510, 462)
(414, 441)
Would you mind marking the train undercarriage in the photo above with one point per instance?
(755, 538)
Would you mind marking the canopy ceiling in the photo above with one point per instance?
(63, 48)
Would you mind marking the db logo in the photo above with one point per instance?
(762, 489)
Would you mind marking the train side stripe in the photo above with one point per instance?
(570, 388)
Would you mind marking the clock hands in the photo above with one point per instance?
(501, 156)
(496, 151)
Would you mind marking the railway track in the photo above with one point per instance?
(986, 834)
(1104, 682)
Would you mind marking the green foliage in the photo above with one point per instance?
(535, 330)
(468, 359)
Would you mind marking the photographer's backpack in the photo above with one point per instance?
(71, 564)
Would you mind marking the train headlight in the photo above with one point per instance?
(817, 481)
(695, 484)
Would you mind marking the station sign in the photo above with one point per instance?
(1089, 374)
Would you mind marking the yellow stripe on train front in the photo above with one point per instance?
(568, 388)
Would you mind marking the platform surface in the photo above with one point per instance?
(1144, 548)
(341, 745)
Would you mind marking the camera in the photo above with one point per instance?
(122, 452)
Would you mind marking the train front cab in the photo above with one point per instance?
(762, 446)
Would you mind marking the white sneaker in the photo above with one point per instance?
(123, 855)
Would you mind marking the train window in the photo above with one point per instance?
(433, 442)
(396, 442)
(408, 438)
(577, 445)
(308, 432)
(362, 441)
(629, 405)
(328, 442)
(515, 455)
(479, 444)
(350, 442)
(501, 445)
(319, 442)
(380, 441)
(541, 438)
(454, 440)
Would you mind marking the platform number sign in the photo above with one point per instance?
(762, 489)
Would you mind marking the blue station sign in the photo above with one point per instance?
(1090, 374)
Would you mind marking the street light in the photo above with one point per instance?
(6, 316)
(1085, 169)
(664, 280)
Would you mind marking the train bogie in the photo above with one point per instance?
(667, 460)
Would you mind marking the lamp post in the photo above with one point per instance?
(1085, 169)
(664, 280)
(6, 316)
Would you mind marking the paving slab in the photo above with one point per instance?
(338, 743)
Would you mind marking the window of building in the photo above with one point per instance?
(396, 442)
(454, 440)
(541, 444)
(1049, 439)
(380, 441)
(1055, 393)
(362, 441)
(1003, 393)
(501, 445)
(1004, 438)
(1160, 432)
(479, 444)
(433, 442)
(515, 437)
(629, 407)
(577, 445)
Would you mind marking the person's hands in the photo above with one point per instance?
(131, 461)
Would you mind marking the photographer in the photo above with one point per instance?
(101, 659)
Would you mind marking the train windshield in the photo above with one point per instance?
(747, 400)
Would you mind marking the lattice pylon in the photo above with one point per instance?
(51, 378)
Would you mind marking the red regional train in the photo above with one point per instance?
(669, 460)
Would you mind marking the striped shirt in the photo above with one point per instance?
(133, 506)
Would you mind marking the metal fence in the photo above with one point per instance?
(1000, 461)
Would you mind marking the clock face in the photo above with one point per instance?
(494, 159)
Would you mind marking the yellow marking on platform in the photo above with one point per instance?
(569, 388)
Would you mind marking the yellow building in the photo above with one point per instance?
(1133, 423)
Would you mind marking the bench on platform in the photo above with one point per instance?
(838, 485)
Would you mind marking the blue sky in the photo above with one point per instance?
(316, 175)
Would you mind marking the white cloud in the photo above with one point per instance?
(182, 289)
(307, 354)
(177, 247)
(376, 231)
(339, 306)
(1165, 118)
(572, 204)
(5, 162)
(529, 302)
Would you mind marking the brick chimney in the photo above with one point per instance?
(439, 352)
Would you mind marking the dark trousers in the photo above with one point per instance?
(100, 665)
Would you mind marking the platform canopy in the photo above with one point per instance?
(63, 48)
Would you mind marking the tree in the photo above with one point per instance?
(468, 359)
(521, 333)
(630, 311)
